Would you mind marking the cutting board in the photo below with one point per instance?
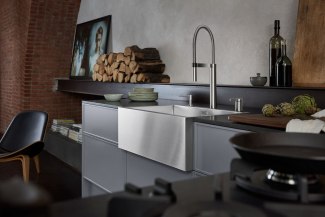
(309, 50)
(260, 120)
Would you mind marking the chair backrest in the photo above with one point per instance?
(26, 128)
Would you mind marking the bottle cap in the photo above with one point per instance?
(277, 24)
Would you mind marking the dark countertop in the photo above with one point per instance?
(222, 120)
(219, 120)
(189, 192)
(96, 206)
(128, 103)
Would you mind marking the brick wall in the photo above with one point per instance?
(10, 61)
(36, 41)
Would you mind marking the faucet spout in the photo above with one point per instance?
(213, 66)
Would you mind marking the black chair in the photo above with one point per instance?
(23, 140)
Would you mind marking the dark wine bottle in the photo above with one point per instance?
(274, 51)
(283, 69)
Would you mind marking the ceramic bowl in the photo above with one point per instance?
(258, 80)
(143, 97)
(113, 97)
(142, 90)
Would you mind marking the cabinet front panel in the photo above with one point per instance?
(213, 151)
(103, 163)
(143, 172)
(100, 121)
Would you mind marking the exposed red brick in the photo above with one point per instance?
(33, 53)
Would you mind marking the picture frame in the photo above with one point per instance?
(90, 41)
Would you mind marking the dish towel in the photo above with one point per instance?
(305, 126)
(319, 114)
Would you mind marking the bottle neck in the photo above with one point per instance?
(284, 49)
(276, 31)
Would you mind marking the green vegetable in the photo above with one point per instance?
(286, 109)
(310, 110)
(268, 110)
(304, 104)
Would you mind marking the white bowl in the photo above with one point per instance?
(113, 97)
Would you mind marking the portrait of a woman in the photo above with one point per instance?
(96, 44)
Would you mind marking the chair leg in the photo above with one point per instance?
(25, 165)
(37, 165)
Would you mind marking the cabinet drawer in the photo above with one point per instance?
(100, 121)
(103, 163)
(213, 151)
(142, 171)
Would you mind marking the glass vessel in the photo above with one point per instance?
(274, 51)
(283, 69)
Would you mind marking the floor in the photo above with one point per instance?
(60, 180)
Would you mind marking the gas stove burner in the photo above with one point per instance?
(270, 184)
(300, 193)
(273, 176)
(216, 209)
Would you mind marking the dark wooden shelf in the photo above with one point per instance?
(253, 96)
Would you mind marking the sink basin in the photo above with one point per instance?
(161, 133)
(185, 111)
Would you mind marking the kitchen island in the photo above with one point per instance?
(106, 168)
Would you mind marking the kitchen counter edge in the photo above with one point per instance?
(218, 120)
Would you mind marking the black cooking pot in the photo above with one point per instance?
(293, 153)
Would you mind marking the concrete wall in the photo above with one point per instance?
(241, 28)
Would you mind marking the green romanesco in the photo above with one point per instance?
(286, 109)
(268, 110)
(304, 104)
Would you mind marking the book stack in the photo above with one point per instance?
(63, 121)
(75, 133)
(61, 125)
(64, 129)
(68, 128)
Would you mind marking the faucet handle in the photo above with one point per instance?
(190, 97)
(238, 103)
(201, 65)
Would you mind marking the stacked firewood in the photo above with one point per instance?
(135, 65)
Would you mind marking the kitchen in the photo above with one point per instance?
(228, 21)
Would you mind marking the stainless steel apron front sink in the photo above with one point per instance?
(161, 133)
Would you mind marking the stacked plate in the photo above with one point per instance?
(143, 94)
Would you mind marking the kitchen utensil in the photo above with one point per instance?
(258, 80)
(284, 152)
(260, 120)
(113, 97)
(278, 121)
(309, 54)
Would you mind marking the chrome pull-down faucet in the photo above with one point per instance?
(213, 66)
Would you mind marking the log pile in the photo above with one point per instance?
(134, 65)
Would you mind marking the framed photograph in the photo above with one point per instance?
(90, 41)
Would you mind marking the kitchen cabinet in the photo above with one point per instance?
(212, 150)
(105, 167)
(103, 163)
(100, 121)
(142, 171)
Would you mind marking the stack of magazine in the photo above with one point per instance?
(75, 133)
(68, 128)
